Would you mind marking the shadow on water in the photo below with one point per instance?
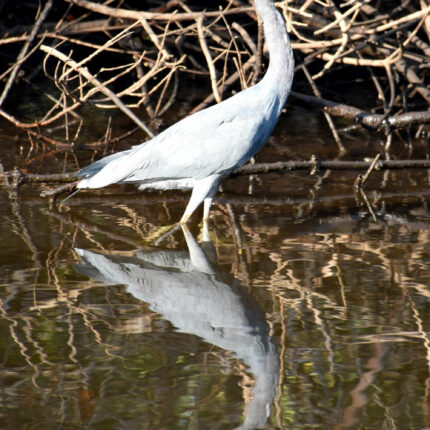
(185, 290)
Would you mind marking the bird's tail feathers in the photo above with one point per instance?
(95, 167)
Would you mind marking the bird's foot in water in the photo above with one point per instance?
(204, 230)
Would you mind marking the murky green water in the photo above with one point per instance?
(302, 311)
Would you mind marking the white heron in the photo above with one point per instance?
(198, 151)
(185, 289)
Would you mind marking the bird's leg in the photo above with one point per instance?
(206, 208)
(204, 190)
(208, 202)
(206, 237)
(193, 204)
(185, 218)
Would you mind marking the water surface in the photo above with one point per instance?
(299, 308)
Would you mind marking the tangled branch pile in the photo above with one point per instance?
(123, 54)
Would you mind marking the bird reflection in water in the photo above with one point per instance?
(184, 288)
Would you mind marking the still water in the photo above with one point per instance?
(299, 307)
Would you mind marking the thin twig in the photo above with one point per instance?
(106, 91)
(207, 54)
(361, 179)
(25, 49)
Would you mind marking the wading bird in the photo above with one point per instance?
(196, 152)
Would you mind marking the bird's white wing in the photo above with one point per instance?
(215, 140)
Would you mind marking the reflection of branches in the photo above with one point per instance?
(367, 378)
(87, 228)
(20, 229)
(423, 334)
(324, 315)
(302, 265)
(21, 343)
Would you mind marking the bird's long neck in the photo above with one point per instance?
(279, 75)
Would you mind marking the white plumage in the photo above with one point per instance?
(196, 152)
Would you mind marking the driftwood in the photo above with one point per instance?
(366, 119)
(314, 166)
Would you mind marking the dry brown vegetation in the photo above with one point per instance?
(111, 55)
(133, 57)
